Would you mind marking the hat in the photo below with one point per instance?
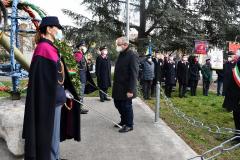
(230, 53)
(81, 43)
(50, 21)
(207, 59)
(102, 48)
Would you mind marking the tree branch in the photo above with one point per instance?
(135, 5)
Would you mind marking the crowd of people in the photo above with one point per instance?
(53, 107)
(187, 71)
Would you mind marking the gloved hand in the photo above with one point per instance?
(68, 94)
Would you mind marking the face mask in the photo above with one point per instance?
(119, 49)
(185, 59)
(171, 59)
(59, 35)
(105, 52)
(84, 49)
(149, 59)
(229, 59)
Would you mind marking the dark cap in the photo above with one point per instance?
(230, 53)
(102, 48)
(50, 21)
(81, 43)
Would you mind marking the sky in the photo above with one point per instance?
(53, 8)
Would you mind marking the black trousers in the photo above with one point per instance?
(102, 95)
(236, 117)
(168, 90)
(206, 85)
(193, 85)
(147, 88)
(125, 110)
(182, 89)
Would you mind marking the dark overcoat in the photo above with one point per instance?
(183, 72)
(194, 69)
(125, 75)
(103, 72)
(170, 73)
(158, 70)
(227, 72)
(232, 93)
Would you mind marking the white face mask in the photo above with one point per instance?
(149, 59)
(229, 59)
(84, 49)
(105, 52)
(119, 49)
(59, 35)
(185, 58)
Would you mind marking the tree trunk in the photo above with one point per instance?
(142, 38)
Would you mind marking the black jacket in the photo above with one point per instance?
(227, 72)
(170, 73)
(183, 72)
(232, 93)
(125, 75)
(103, 72)
(158, 70)
(194, 69)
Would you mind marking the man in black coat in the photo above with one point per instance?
(103, 73)
(232, 95)
(158, 71)
(227, 70)
(182, 75)
(170, 75)
(125, 83)
(194, 75)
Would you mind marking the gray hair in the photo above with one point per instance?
(124, 40)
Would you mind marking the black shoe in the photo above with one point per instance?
(101, 100)
(84, 111)
(107, 99)
(120, 124)
(125, 129)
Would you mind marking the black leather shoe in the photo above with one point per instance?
(120, 124)
(84, 111)
(125, 129)
(101, 100)
(107, 99)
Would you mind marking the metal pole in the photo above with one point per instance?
(12, 42)
(157, 107)
(127, 19)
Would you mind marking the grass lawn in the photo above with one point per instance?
(23, 84)
(207, 109)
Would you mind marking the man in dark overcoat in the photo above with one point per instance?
(182, 75)
(103, 73)
(194, 74)
(125, 83)
(232, 94)
(158, 71)
(170, 75)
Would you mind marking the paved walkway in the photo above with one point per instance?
(148, 141)
(101, 141)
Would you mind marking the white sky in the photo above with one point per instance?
(53, 8)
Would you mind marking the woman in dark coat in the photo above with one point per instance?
(50, 113)
(103, 73)
(170, 76)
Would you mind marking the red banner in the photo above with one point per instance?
(233, 47)
(201, 47)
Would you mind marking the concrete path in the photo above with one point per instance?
(148, 141)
